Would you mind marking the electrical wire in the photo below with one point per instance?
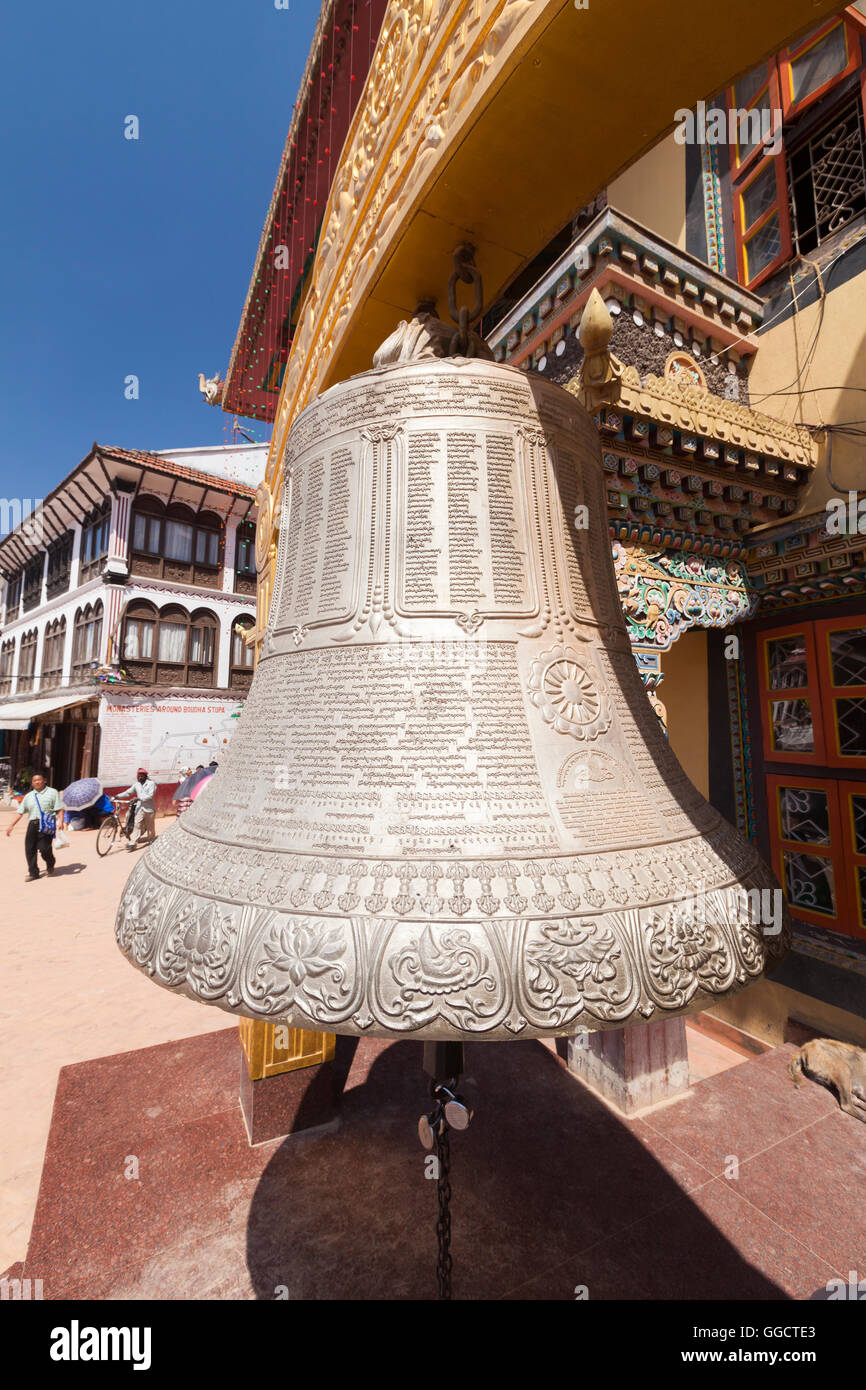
(716, 357)
(822, 285)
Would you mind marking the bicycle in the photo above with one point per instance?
(112, 826)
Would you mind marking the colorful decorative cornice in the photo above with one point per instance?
(635, 269)
(663, 593)
(799, 562)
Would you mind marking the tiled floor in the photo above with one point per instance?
(747, 1188)
(66, 994)
(708, 1055)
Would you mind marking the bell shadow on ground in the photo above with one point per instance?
(551, 1191)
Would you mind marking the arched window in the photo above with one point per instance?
(169, 646)
(86, 639)
(245, 558)
(146, 532)
(7, 661)
(53, 644)
(241, 673)
(94, 542)
(139, 631)
(175, 542)
(27, 661)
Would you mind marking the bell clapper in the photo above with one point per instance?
(443, 1063)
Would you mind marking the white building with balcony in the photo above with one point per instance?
(123, 598)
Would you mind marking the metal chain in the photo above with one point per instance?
(443, 1223)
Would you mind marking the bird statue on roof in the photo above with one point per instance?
(211, 388)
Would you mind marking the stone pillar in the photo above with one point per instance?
(228, 578)
(633, 1067)
(75, 564)
(40, 647)
(117, 559)
(224, 651)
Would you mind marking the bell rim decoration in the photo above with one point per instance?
(505, 939)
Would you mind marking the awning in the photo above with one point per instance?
(19, 715)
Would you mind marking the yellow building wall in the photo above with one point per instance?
(839, 361)
(683, 693)
(653, 191)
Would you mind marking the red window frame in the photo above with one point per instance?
(846, 915)
(778, 208)
(789, 56)
(779, 85)
(831, 692)
(810, 691)
(739, 167)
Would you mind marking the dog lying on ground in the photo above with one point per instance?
(838, 1065)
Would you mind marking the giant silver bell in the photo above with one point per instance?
(449, 810)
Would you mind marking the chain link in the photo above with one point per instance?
(443, 1223)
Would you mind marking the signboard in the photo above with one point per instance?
(165, 736)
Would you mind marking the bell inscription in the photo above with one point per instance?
(449, 809)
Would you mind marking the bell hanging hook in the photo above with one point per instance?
(465, 271)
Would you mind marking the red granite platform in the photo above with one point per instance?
(551, 1188)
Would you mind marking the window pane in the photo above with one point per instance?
(178, 541)
(858, 806)
(819, 63)
(753, 126)
(759, 196)
(786, 662)
(139, 533)
(848, 656)
(242, 655)
(748, 87)
(138, 643)
(95, 634)
(206, 547)
(851, 727)
(792, 726)
(172, 640)
(809, 883)
(201, 645)
(804, 815)
(763, 247)
(245, 557)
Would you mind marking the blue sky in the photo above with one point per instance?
(123, 257)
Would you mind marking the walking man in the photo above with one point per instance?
(144, 789)
(45, 810)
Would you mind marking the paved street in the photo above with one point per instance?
(66, 995)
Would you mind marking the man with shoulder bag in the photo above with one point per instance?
(45, 810)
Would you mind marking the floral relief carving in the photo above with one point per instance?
(569, 695)
(479, 978)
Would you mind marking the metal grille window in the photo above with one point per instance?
(791, 193)
(827, 179)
